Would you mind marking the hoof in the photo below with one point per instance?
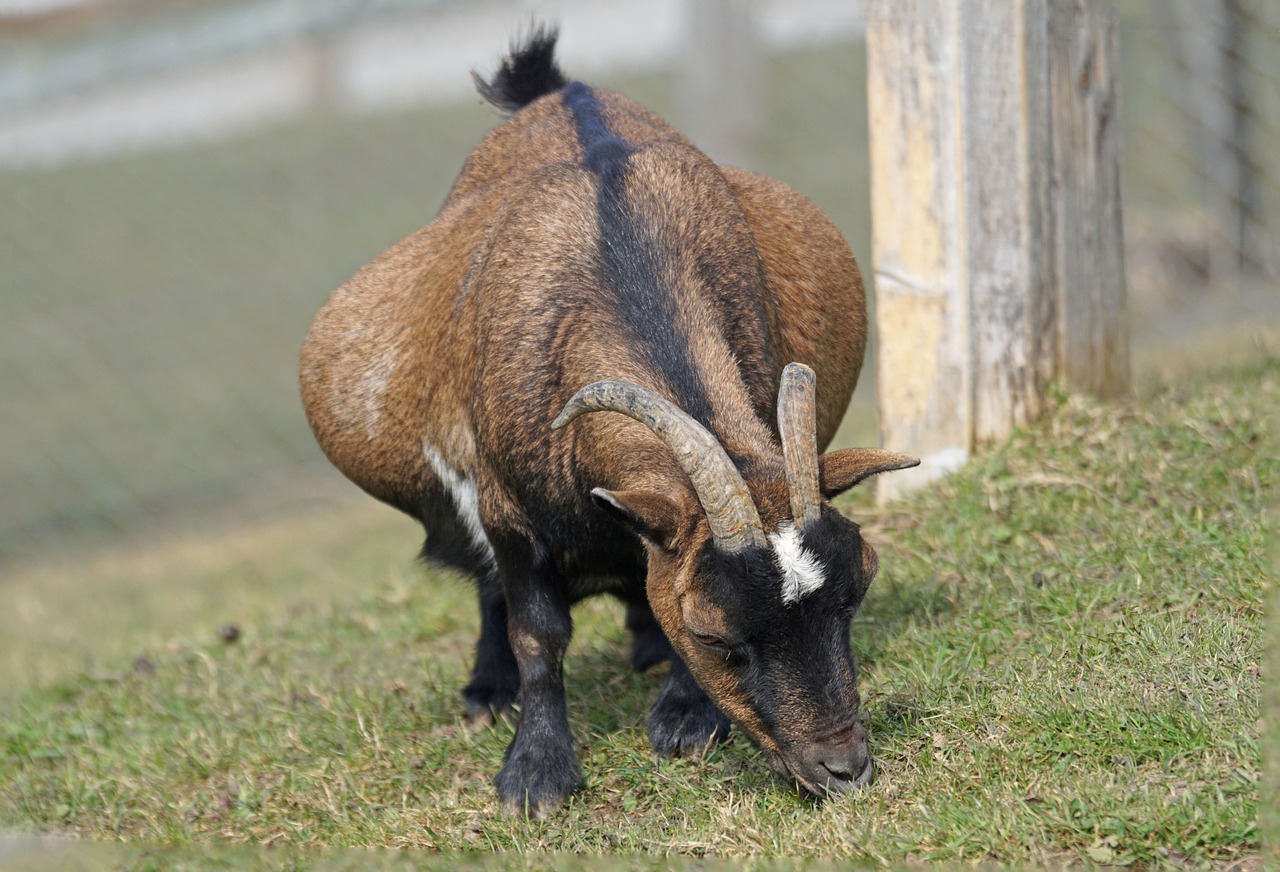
(488, 702)
(481, 717)
(537, 783)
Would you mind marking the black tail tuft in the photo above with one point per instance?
(529, 72)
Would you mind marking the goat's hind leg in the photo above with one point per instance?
(495, 679)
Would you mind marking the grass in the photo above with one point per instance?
(1060, 663)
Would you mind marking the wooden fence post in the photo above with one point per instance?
(995, 218)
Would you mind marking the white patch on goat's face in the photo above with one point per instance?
(802, 573)
(466, 500)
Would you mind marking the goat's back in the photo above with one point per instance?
(411, 368)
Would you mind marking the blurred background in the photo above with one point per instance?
(183, 183)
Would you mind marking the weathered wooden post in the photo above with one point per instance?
(996, 229)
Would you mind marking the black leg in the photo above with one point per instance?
(649, 645)
(684, 722)
(541, 768)
(495, 681)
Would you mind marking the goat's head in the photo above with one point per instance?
(761, 617)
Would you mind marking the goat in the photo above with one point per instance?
(589, 259)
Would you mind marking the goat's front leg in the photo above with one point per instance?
(649, 645)
(541, 766)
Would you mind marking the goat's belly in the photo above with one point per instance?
(583, 586)
(360, 432)
(615, 570)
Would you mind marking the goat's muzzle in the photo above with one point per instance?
(830, 766)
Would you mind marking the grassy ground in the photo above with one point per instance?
(1060, 663)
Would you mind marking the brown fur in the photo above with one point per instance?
(449, 292)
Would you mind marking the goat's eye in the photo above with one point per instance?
(707, 640)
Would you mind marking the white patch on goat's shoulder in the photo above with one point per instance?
(802, 573)
(466, 499)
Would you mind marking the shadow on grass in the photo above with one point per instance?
(605, 693)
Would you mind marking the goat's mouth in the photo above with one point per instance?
(819, 781)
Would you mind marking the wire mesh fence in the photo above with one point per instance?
(153, 298)
(1202, 87)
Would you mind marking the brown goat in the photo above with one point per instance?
(590, 259)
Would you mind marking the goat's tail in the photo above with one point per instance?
(527, 73)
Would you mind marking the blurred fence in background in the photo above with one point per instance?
(1202, 91)
(183, 184)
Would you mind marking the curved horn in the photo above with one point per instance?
(731, 514)
(797, 425)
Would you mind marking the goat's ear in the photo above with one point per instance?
(653, 516)
(841, 470)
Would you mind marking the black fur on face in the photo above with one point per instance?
(784, 670)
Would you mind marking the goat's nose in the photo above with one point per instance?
(842, 766)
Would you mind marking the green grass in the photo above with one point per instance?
(1060, 663)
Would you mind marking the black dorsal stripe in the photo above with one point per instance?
(602, 151)
(630, 268)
